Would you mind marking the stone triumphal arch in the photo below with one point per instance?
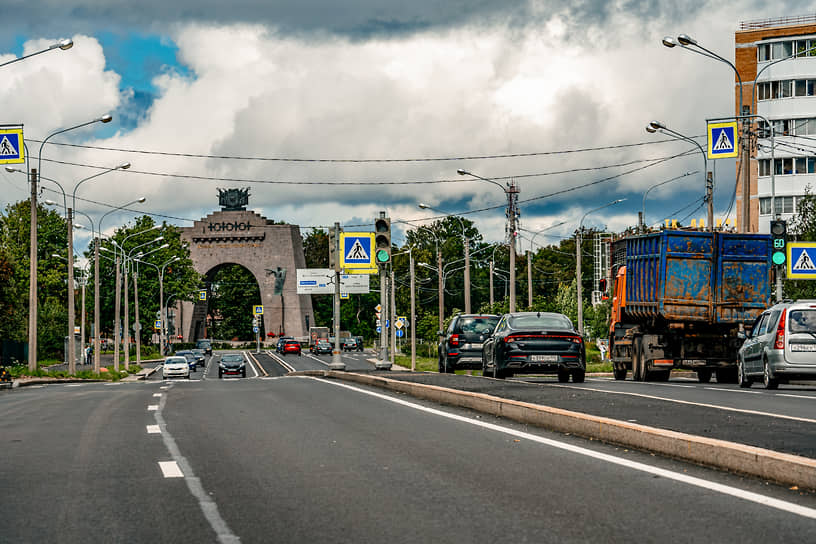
(270, 252)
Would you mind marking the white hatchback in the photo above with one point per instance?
(175, 367)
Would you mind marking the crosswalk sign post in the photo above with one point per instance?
(801, 261)
(12, 147)
(357, 251)
(722, 140)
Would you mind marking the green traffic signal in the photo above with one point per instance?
(382, 256)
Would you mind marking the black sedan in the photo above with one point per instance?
(192, 358)
(232, 364)
(535, 343)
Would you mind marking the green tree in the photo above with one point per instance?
(233, 291)
(52, 273)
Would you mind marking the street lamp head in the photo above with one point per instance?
(655, 126)
(141, 199)
(685, 39)
(423, 206)
(670, 42)
(123, 166)
(11, 169)
(164, 246)
(66, 44)
(50, 202)
(463, 172)
(106, 118)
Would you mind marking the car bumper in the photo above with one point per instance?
(465, 361)
(232, 371)
(525, 364)
(175, 373)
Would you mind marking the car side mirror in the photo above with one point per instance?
(742, 335)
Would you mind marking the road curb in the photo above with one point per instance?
(782, 468)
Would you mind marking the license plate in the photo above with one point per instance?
(472, 346)
(544, 358)
(803, 347)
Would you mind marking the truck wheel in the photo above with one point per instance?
(578, 376)
(619, 372)
(636, 370)
(770, 383)
(743, 380)
(704, 375)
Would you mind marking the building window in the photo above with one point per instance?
(811, 165)
(800, 163)
(781, 50)
(806, 48)
(764, 52)
(801, 87)
(764, 206)
(764, 167)
(783, 204)
(785, 90)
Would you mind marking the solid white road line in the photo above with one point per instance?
(704, 405)
(324, 363)
(684, 478)
(153, 429)
(170, 469)
(208, 506)
(281, 362)
(248, 359)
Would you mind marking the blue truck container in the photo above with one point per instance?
(680, 297)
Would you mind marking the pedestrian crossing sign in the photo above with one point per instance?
(356, 250)
(801, 263)
(722, 140)
(12, 148)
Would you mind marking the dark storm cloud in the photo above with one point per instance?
(351, 18)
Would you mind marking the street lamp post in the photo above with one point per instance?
(511, 191)
(162, 312)
(657, 126)
(63, 45)
(466, 243)
(530, 263)
(578, 262)
(128, 262)
(32, 291)
(690, 44)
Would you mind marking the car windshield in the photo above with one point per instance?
(478, 324)
(540, 321)
(175, 360)
(803, 321)
(232, 358)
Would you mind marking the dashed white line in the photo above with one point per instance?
(157, 395)
(153, 429)
(170, 469)
(152, 407)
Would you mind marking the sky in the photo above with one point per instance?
(333, 111)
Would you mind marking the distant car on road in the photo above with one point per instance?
(175, 367)
(206, 345)
(232, 364)
(200, 355)
(281, 341)
(349, 344)
(291, 346)
(535, 343)
(191, 357)
(460, 347)
(322, 347)
(780, 346)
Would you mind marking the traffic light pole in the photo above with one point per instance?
(337, 360)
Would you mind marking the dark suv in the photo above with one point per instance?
(461, 345)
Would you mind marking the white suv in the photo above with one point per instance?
(781, 345)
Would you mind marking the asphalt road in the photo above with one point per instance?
(295, 459)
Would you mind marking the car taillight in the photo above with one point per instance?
(454, 340)
(780, 331)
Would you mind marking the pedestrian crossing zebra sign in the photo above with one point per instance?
(801, 261)
(722, 140)
(12, 149)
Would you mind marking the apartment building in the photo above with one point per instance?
(776, 59)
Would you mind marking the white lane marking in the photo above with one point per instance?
(152, 407)
(157, 395)
(312, 357)
(732, 390)
(252, 366)
(153, 429)
(164, 387)
(704, 405)
(74, 385)
(208, 506)
(794, 396)
(281, 362)
(170, 469)
(635, 465)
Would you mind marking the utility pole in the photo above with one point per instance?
(32, 275)
(127, 316)
(512, 197)
(137, 325)
(412, 322)
(529, 279)
(441, 286)
(491, 284)
(467, 270)
(116, 325)
(97, 341)
(71, 355)
(392, 311)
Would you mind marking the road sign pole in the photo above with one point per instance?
(337, 361)
(392, 312)
(384, 305)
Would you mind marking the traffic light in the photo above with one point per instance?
(779, 240)
(382, 240)
(334, 262)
